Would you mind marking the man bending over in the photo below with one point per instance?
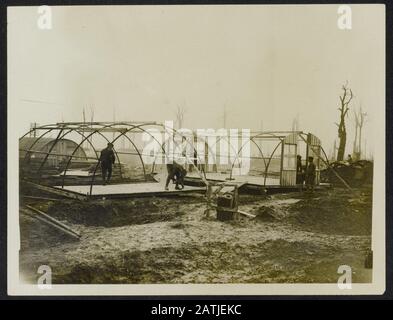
(176, 173)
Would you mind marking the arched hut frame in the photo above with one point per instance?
(287, 143)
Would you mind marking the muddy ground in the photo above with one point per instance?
(296, 238)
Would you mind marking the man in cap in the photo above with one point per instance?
(107, 159)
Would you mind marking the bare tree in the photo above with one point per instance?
(345, 99)
(355, 141)
(114, 120)
(84, 122)
(91, 122)
(224, 116)
(33, 132)
(91, 115)
(180, 111)
(295, 123)
(333, 156)
(359, 120)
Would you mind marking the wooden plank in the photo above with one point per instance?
(57, 191)
(128, 189)
(50, 221)
(53, 220)
(248, 215)
(40, 198)
(191, 193)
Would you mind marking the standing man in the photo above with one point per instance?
(349, 160)
(107, 159)
(299, 170)
(310, 174)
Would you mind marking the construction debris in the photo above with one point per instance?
(357, 173)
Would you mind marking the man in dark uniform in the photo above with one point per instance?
(310, 174)
(107, 159)
(299, 170)
(176, 173)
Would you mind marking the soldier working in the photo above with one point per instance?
(107, 159)
(176, 173)
(310, 174)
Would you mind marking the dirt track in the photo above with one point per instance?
(295, 238)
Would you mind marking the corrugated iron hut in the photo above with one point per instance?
(48, 155)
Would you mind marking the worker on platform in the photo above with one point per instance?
(310, 174)
(176, 173)
(107, 159)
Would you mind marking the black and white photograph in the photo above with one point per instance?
(196, 149)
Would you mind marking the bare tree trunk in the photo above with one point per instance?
(365, 149)
(342, 134)
(91, 123)
(345, 99)
(359, 118)
(362, 118)
(83, 130)
(360, 142)
(180, 111)
(355, 141)
(334, 150)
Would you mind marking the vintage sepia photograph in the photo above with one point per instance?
(199, 149)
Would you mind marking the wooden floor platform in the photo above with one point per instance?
(246, 179)
(193, 184)
(147, 189)
(250, 184)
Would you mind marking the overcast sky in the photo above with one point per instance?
(266, 64)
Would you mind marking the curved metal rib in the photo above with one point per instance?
(114, 140)
(268, 163)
